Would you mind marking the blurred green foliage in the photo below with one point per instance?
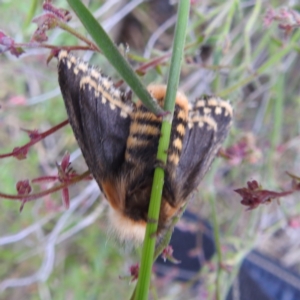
(255, 66)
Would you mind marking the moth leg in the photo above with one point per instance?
(151, 220)
(160, 164)
(154, 235)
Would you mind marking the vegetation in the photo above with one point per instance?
(247, 52)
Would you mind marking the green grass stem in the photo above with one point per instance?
(158, 181)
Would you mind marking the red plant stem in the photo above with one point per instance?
(153, 63)
(44, 179)
(156, 61)
(34, 141)
(47, 46)
(46, 192)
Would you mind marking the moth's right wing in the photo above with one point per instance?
(208, 125)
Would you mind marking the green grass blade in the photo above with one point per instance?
(113, 55)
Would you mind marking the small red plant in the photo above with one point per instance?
(254, 195)
(167, 254)
(134, 272)
(287, 19)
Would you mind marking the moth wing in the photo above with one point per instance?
(98, 113)
(208, 125)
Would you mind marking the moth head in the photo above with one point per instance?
(158, 92)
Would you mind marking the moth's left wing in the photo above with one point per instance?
(208, 125)
(98, 113)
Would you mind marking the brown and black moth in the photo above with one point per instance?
(119, 141)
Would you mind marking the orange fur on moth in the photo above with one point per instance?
(119, 141)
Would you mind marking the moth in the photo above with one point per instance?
(119, 141)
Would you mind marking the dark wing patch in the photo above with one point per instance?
(98, 113)
(208, 125)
